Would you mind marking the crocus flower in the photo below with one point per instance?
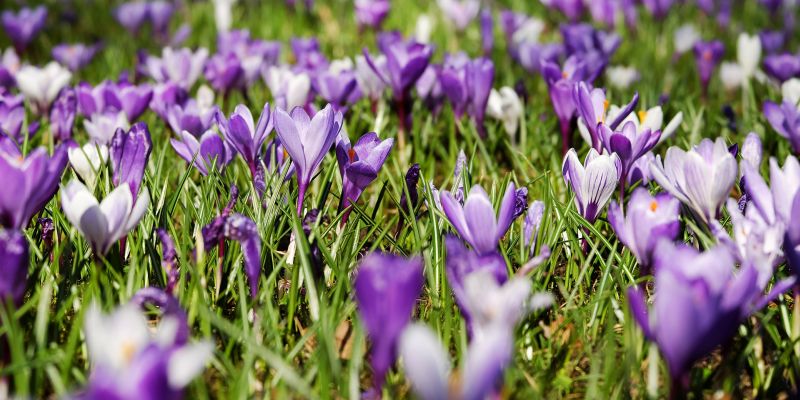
(594, 46)
(370, 83)
(700, 178)
(24, 25)
(593, 182)
(307, 54)
(533, 220)
(592, 108)
(339, 88)
(243, 230)
(487, 32)
(243, 135)
(41, 85)
(34, 178)
(179, 66)
(772, 204)
(224, 73)
(223, 15)
(130, 358)
(132, 15)
(647, 220)
(772, 41)
(74, 56)
(307, 140)
(748, 53)
(785, 119)
(104, 223)
(166, 95)
(359, 165)
(133, 100)
(207, 150)
(505, 105)
(252, 55)
(62, 115)
(460, 12)
(9, 65)
(12, 115)
(169, 260)
(88, 161)
(102, 127)
(160, 13)
(130, 152)
(560, 84)
(622, 77)
(699, 303)
(405, 61)
(468, 86)
(628, 143)
(658, 8)
(386, 291)
(13, 265)
(685, 37)
(782, 67)
(476, 222)
(790, 90)
(429, 89)
(371, 13)
(289, 89)
(191, 117)
(707, 55)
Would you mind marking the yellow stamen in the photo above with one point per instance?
(128, 351)
(642, 115)
(653, 206)
(564, 75)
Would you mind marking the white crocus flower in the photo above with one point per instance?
(87, 161)
(505, 105)
(223, 15)
(101, 127)
(685, 38)
(368, 81)
(748, 54)
(102, 224)
(423, 28)
(652, 118)
(621, 76)
(42, 85)
(790, 90)
(289, 89)
(732, 75)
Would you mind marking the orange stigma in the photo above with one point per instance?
(707, 55)
(653, 206)
(352, 154)
(564, 75)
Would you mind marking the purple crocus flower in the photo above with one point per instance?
(782, 67)
(429, 89)
(595, 47)
(62, 115)
(592, 181)
(487, 32)
(169, 260)
(34, 177)
(131, 15)
(648, 220)
(131, 99)
(772, 41)
(191, 117)
(166, 95)
(699, 303)
(253, 55)
(75, 56)
(339, 88)
(179, 66)
(225, 73)
(791, 240)
(243, 135)
(658, 8)
(307, 54)
(460, 12)
(243, 230)
(9, 65)
(386, 290)
(784, 119)
(359, 165)
(204, 152)
(13, 265)
(371, 13)
(592, 109)
(160, 13)
(467, 83)
(700, 178)
(629, 143)
(476, 222)
(405, 63)
(560, 83)
(130, 152)
(707, 55)
(24, 25)
(307, 140)
(12, 115)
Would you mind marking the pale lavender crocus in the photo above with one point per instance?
(700, 178)
(386, 291)
(560, 82)
(646, 220)
(12, 115)
(592, 181)
(359, 165)
(180, 66)
(130, 152)
(629, 143)
(468, 83)
(34, 179)
(460, 12)
(371, 13)
(338, 86)
(192, 117)
(476, 221)
(307, 140)
(102, 224)
(24, 25)
(75, 56)
(62, 115)
(203, 152)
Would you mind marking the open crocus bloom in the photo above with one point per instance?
(504, 105)
(132, 360)
(102, 127)
(42, 85)
(476, 222)
(104, 223)
(205, 152)
(289, 89)
(652, 118)
(700, 178)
